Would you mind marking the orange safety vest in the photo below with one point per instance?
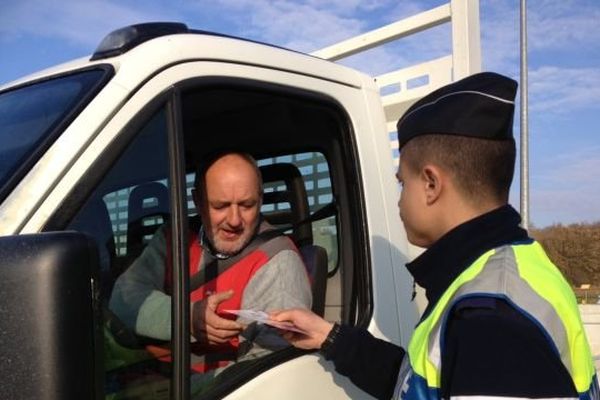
(235, 278)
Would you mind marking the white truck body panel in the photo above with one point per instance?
(132, 69)
(42, 191)
(144, 72)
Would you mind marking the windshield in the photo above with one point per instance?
(29, 115)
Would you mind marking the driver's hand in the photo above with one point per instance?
(207, 326)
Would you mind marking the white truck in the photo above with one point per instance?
(99, 152)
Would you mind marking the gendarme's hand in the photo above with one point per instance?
(316, 328)
(207, 326)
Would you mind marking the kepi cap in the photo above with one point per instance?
(480, 105)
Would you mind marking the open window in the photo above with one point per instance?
(306, 154)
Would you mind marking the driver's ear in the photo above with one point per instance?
(197, 198)
(260, 198)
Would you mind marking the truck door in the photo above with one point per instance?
(132, 185)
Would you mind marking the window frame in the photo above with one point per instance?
(180, 303)
(345, 173)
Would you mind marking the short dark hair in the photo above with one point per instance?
(480, 168)
(211, 158)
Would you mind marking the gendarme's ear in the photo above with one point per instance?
(432, 180)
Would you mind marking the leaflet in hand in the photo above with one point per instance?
(263, 318)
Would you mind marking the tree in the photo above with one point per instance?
(574, 249)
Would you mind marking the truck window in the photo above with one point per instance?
(317, 183)
(30, 115)
(304, 151)
(122, 214)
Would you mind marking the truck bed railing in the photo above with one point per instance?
(397, 93)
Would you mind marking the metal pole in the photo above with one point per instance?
(524, 121)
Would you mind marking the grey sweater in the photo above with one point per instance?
(139, 300)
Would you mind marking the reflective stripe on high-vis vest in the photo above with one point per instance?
(524, 276)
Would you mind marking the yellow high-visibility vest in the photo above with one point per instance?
(524, 276)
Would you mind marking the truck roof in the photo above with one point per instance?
(143, 54)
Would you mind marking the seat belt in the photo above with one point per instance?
(124, 336)
(326, 211)
(218, 266)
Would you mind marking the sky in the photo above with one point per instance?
(564, 63)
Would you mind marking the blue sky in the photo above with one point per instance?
(564, 61)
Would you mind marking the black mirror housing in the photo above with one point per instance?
(50, 326)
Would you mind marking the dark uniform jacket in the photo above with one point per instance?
(490, 348)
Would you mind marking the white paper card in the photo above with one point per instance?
(263, 318)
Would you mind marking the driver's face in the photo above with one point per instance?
(231, 207)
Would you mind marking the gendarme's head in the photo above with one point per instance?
(228, 197)
(457, 155)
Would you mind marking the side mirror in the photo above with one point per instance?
(50, 331)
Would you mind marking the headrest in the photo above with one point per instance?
(292, 193)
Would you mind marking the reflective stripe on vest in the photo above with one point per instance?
(523, 276)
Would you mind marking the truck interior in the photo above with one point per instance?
(305, 152)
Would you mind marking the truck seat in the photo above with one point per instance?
(148, 209)
(94, 220)
(287, 208)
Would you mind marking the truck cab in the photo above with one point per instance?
(100, 152)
